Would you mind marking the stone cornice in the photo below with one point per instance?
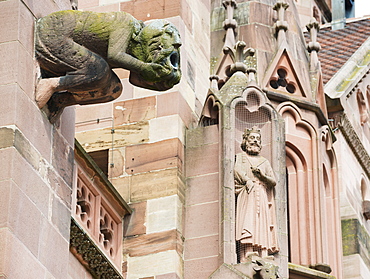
(89, 255)
(355, 143)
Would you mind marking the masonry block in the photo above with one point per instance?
(162, 183)
(136, 110)
(154, 156)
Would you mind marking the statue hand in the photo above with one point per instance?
(258, 173)
(153, 71)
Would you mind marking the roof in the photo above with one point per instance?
(337, 46)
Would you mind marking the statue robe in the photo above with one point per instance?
(255, 208)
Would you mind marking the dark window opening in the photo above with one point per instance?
(101, 159)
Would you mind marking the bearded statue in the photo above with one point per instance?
(77, 51)
(255, 209)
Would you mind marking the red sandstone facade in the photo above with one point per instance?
(164, 205)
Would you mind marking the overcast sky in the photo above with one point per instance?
(362, 8)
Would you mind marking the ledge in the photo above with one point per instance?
(306, 272)
(90, 255)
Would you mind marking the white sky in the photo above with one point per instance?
(362, 8)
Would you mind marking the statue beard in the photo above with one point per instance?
(253, 148)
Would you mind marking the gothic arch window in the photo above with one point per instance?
(297, 187)
(304, 198)
(210, 114)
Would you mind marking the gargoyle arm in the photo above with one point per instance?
(117, 55)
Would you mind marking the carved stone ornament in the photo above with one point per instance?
(90, 255)
(77, 51)
(355, 143)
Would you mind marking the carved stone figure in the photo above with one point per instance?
(255, 210)
(77, 51)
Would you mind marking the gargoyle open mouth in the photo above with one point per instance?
(175, 59)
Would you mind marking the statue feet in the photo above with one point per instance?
(45, 89)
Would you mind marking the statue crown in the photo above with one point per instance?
(249, 131)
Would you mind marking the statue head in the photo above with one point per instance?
(252, 143)
(157, 42)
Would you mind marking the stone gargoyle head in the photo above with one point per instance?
(158, 42)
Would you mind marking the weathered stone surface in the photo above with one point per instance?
(164, 214)
(154, 156)
(162, 183)
(58, 217)
(116, 162)
(158, 263)
(122, 185)
(156, 242)
(59, 185)
(202, 220)
(6, 137)
(146, 10)
(123, 135)
(18, 261)
(201, 268)
(202, 160)
(168, 276)
(166, 127)
(48, 234)
(134, 224)
(63, 157)
(174, 103)
(202, 189)
(136, 110)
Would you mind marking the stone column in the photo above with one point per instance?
(36, 157)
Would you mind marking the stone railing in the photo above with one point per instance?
(97, 216)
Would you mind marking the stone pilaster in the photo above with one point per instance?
(36, 171)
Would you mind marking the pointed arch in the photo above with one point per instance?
(303, 187)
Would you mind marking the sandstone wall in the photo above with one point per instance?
(36, 157)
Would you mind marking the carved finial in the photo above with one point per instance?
(313, 46)
(230, 23)
(214, 81)
(238, 54)
(313, 27)
(281, 25)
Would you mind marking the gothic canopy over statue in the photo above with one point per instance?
(77, 51)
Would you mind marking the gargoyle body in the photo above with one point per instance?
(77, 51)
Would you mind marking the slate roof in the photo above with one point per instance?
(337, 46)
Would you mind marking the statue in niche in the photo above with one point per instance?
(77, 51)
(255, 210)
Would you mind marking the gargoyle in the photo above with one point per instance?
(77, 51)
